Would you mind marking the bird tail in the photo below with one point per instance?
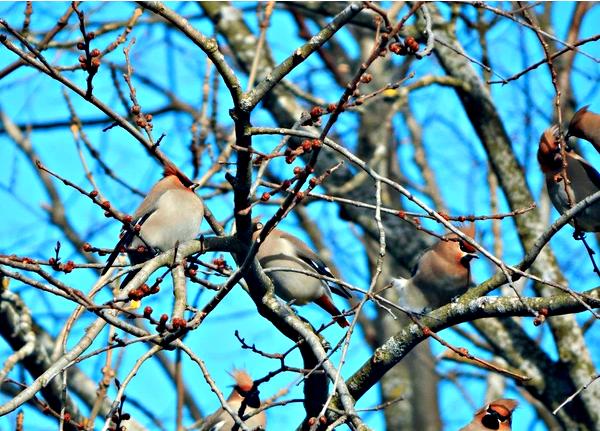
(126, 239)
(327, 304)
(128, 278)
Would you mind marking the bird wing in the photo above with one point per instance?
(587, 169)
(123, 242)
(592, 173)
(314, 261)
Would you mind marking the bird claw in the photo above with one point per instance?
(578, 234)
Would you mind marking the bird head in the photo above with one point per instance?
(244, 386)
(169, 169)
(548, 154)
(497, 413)
(457, 248)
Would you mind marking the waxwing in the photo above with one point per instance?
(442, 272)
(282, 250)
(171, 213)
(583, 180)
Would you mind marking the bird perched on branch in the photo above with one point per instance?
(582, 181)
(282, 250)
(442, 272)
(170, 213)
(585, 125)
(496, 415)
(244, 393)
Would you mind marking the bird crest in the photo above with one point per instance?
(548, 154)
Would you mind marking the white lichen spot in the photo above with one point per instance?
(229, 15)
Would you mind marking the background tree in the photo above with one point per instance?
(367, 129)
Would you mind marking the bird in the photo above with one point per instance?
(442, 272)
(243, 392)
(282, 250)
(496, 415)
(171, 213)
(583, 181)
(585, 125)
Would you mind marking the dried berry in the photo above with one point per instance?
(316, 112)
(265, 196)
(398, 48)
(68, 267)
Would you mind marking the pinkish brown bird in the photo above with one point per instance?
(442, 272)
(171, 213)
(282, 250)
(582, 181)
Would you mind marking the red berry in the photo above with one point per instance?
(316, 111)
